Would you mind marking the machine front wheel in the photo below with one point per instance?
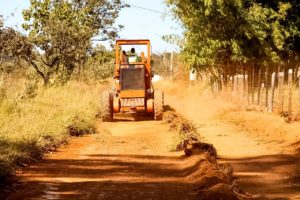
(158, 104)
(106, 107)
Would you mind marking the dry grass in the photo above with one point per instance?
(31, 126)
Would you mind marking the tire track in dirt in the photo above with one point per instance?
(131, 160)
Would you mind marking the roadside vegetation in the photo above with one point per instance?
(249, 48)
(184, 130)
(35, 121)
(50, 78)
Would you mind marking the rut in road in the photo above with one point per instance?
(132, 161)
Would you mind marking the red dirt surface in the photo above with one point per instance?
(125, 160)
(263, 149)
(132, 159)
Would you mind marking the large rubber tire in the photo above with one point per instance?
(158, 105)
(106, 107)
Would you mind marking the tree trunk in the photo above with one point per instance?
(46, 80)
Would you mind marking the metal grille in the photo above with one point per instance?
(132, 102)
(132, 78)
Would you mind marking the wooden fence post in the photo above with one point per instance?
(252, 84)
(290, 84)
(228, 87)
(249, 85)
(244, 85)
(271, 99)
(259, 87)
(281, 92)
(299, 87)
(221, 83)
(237, 87)
(232, 86)
(267, 87)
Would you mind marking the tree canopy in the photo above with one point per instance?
(219, 31)
(61, 31)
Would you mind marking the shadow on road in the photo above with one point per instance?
(258, 174)
(108, 177)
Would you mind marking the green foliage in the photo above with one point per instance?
(159, 66)
(16, 52)
(14, 45)
(174, 39)
(59, 40)
(61, 32)
(100, 64)
(218, 31)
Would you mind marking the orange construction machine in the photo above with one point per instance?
(133, 91)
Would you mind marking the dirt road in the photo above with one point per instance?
(264, 166)
(130, 160)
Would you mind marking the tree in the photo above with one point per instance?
(14, 45)
(61, 31)
(252, 38)
(100, 64)
(242, 31)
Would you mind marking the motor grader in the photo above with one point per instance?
(133, 90)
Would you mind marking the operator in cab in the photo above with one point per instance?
(133, 57)
(124, 58)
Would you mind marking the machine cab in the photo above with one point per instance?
(133, 69)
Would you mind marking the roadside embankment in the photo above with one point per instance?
(211, 180)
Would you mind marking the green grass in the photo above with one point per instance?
(30, 127)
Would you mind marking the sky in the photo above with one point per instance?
(138, 23)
